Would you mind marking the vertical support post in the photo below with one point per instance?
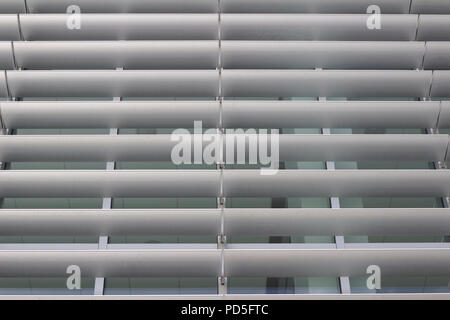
(106, 205)
(221, 237)
(440, 165)
(222, 287)
(27, 10)
(344, 282)
(4, 131)
(7, 131)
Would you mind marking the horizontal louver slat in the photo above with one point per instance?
(348, 262)
(121, 27)
(110, 83)
(235, 83)
(237, 222)
(12, 6)
(327, 27)
(441, 84)
(110, 222)
(238, 262)
(111, 263)
(234, 55)
(94, 114)
(128, 6)
(9, 27)
(236, 114)
(6, 56)
(326, 83)
(160, 147)
(313, 6)
(118, 183)
(322, 54)
(114, 54)
(3, 85)
(434, 28)
(339, 183)
(367, 221)
(444, 117)
(437, 55)
(430, 6)
(237, 183)
(330, 114)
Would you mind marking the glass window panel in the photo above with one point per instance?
(160, 286)
(44, 286)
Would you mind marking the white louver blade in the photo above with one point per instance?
(235, 83)
(12, 6)
(9, 27)
(331, 114)
(126, 263)
(151, 183)
(234, 55)
(237, 222)
(229, 6)
(118, 6)
(239, 262)
(138, 83)
(280, 263)
(136, 114)
(236, 183)
(112, 54)
(122, 27)
(437, 55)
(313, 6)
(430, 6)
(323, 54)
(341, 183)
(313, 27)
(159, 147)
(433, 28)
(335, 83)
(236, 114)
(6, 55)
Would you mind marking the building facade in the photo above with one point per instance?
(245, 148)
